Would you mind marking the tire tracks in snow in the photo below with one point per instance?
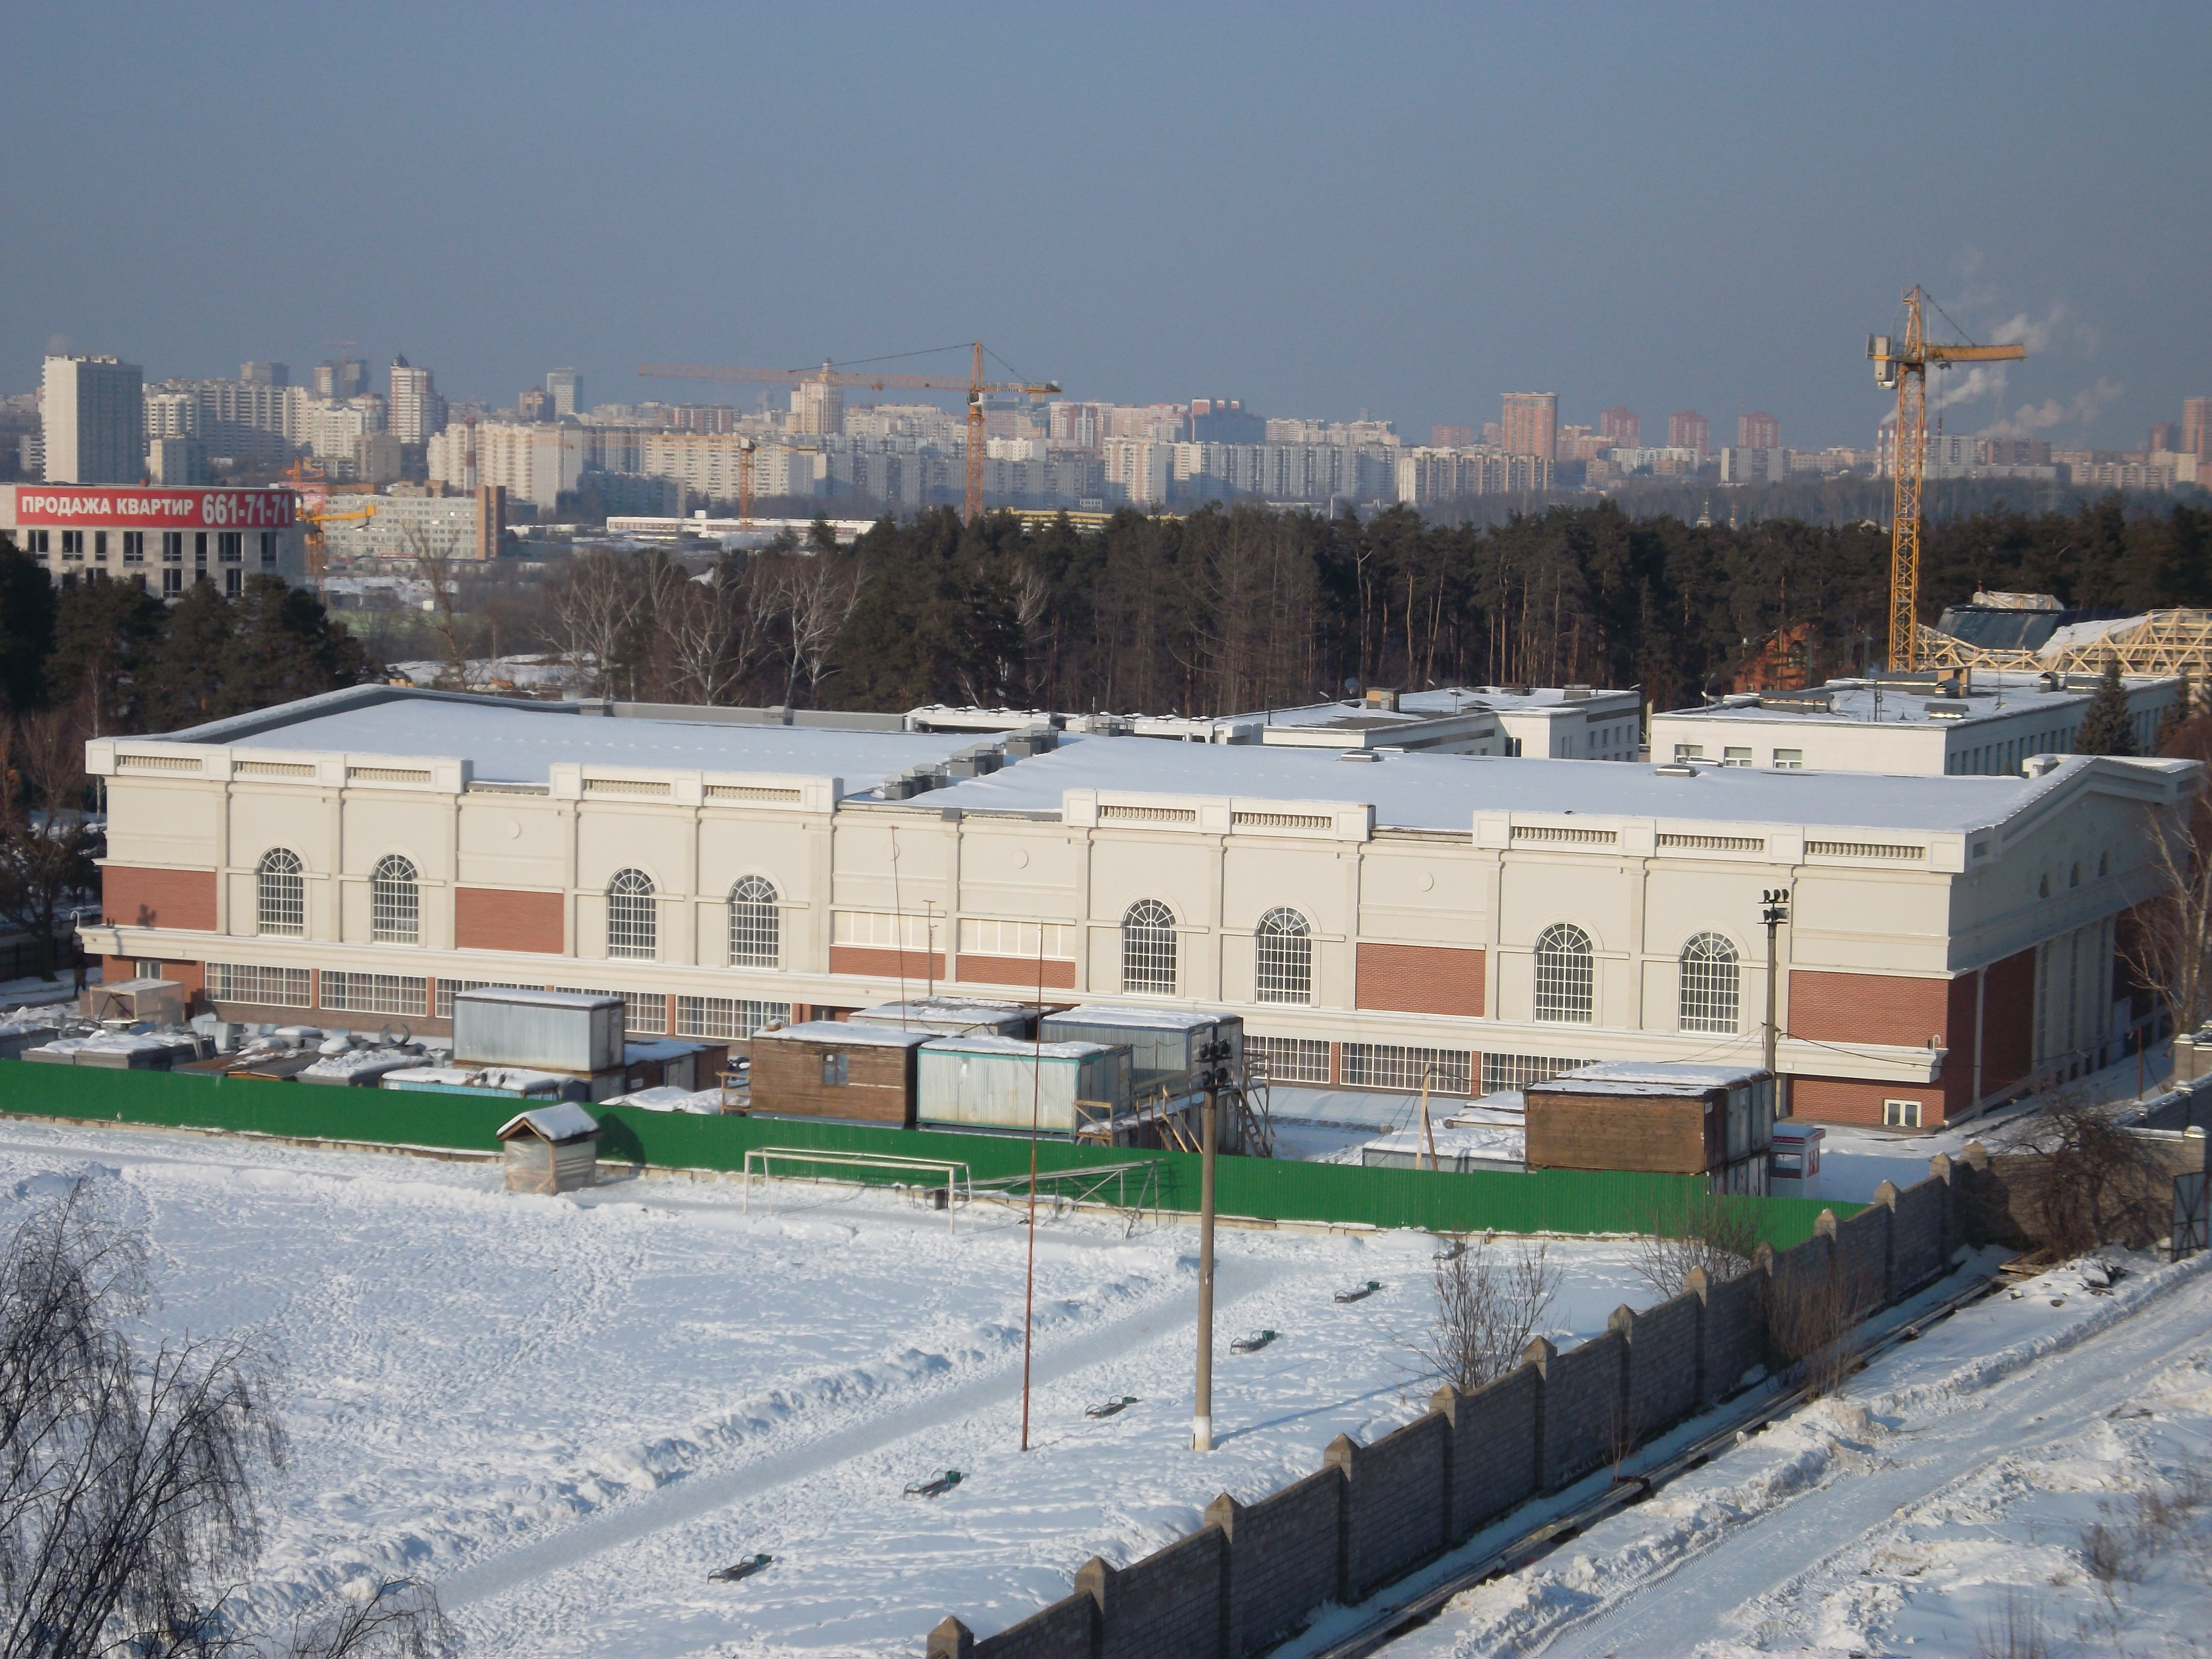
(702, 1493)
(2053, 1397)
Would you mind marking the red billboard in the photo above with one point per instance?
(119, 509)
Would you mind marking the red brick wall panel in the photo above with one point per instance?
(1420, 979)
(499, 919)
(879, 964)
(2007, 1022)
(1850, 1100)
(136, 897)
(1885, 1008)
(1011, 970)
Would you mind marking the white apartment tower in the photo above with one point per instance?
(415, 409)
(817, 408)
(94, 414)
(566, 388)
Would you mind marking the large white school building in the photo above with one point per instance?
(1373, 917)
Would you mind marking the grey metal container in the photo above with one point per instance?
(1002, 1082)
(951, 1016)
(1164, 1043)
(552, 1031)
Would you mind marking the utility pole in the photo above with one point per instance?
(1776, 901)
(1202, 1422)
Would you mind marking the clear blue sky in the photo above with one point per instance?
(1398, 209)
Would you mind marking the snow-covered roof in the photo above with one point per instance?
(944, 1010)
(1497, 1141)
(537, 998)
(504, 1080)
(520, 743)
(1648, 1077)
(566, 1121)
(847, 1035)
(1020, 1048)
(362, 1062)
(1136, 1016)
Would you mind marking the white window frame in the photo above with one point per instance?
(395, 901)
(1900, 1114)
(280, 893)
(633, 917)
(1566, 988)
(1151, 960)
(756, 936)
(1709, 1000)
(1282, 956)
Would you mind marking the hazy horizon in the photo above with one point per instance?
(1403, 211)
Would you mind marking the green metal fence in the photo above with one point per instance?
(1544, 1201)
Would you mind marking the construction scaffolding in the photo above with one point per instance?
(2161, 642)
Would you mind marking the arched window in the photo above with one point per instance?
(1284, 957)
(1710, 983)
(755, 925)
(1148, 948)
(633, 923)
(280, 893)
(395, 902)
(1564, 974)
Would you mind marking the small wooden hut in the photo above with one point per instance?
(830, 1068)
(552, 1149)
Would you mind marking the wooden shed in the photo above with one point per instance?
(552, 1149)
(1658, 1117)
(830, 1068)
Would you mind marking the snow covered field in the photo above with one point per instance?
(1943, 1499)
(567, 1411)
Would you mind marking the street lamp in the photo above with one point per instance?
(1211, 1078)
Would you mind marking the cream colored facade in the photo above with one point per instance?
(1012, 892)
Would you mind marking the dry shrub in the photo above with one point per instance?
(1490, 1302)
(2080, 1180)
(2015, 1630)
(1704, 1230)
(1812, 1323)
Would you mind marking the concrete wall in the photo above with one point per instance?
(1255, 1574)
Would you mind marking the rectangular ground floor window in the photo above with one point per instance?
(1287, 1060)
(403, 994)
(1900, 1114)
(1519, 1071)
(270, 987)
(728, 1018)
(1392, 1065)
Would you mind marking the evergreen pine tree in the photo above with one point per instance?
(27, 627)
(102, 632)
(2108, 728)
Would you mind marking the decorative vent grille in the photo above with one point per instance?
(507, 788)
(1282, 821)
(625, 787)
(1864, 849)
(157, 762)
(1715, 843)
(1148, 815)
(750, 792)
(1556, 832)
(273, 769)
(1287, 1060)
(386, 775)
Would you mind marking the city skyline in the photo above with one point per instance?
(1374, 255)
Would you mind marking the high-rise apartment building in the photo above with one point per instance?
(414, 411)
(1451, 437)
(251, 423)
(1687, 429)
(1621, 428)
(535, 405)
(817, 409)
(1758, 430)
(2164, 435)
(1531, 423)
(94, 414)
(2196, 428)
(265, 374)
(566, 388)
(342, 377)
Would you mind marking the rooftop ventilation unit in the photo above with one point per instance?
(1676, 769)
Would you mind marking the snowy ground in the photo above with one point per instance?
(567, 1411)
(1944, 1498)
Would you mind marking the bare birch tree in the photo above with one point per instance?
(437, 564)
(47, 842)
(1490, 1305)
(2166, 943)
(595, 605)
(811, 596)
(129, 1484)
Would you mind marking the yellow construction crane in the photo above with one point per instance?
(1904, 364)
(828, 375)
(318, 561)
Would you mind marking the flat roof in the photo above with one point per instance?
(518, 742)
(1865, 704)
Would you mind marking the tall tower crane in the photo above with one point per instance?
(1904, 364)
(828, 375)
